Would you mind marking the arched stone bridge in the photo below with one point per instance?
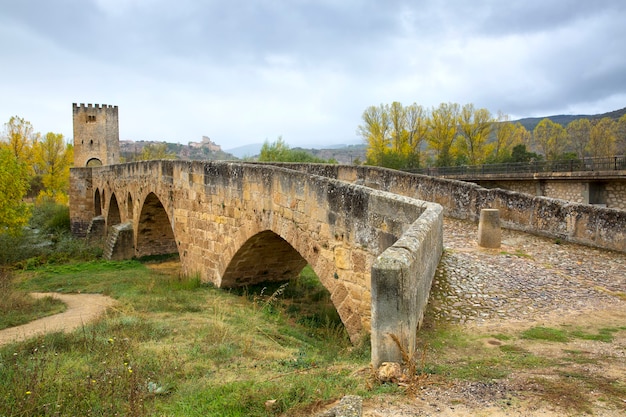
(235, 224)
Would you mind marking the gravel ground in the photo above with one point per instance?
(529, 281)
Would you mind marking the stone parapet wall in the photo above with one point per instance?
(580, 223)
(616, 195)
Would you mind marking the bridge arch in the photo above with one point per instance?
(267, 256)
(263, 257)
(113, 213)
(97, 203)
(154, 233)
(129, 207)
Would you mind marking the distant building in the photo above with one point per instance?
(206, 143)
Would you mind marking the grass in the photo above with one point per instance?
(174, 346)
(19, 308)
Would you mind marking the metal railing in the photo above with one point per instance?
(614, 163)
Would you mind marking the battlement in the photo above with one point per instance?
(82, 106)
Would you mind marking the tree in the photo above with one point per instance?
(52, 161)
(579, 133)
(475, 127)
(279, 151)
(442, 131)
(417, 127)
(520, 154)
(602, 138)
(551, 138)
(620, 133)
(507, 136)
(375, 131)
(20, 137)
(155, 151)
(14, 213)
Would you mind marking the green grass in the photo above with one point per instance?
(546, 334)
(174, 346)
(18, 307)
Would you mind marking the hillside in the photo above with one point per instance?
(198, 151)
(530, 122)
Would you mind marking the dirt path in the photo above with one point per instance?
(81, 309)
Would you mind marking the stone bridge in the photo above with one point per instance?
(235, 224)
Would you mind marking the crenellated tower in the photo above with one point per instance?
(96, 135)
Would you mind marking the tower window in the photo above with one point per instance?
(91, 119)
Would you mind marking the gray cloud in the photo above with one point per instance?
(243, 71)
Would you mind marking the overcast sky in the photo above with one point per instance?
(243, 71)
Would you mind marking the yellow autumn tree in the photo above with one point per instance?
(551, 138)
(52, 160)
(602, 138)
(14, 213)
(375, 131)
(579, 133)
(442, 132)
(474, 130)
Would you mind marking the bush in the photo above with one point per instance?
(51, 218)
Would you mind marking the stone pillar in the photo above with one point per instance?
(489, 235)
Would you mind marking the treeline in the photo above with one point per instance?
(31, 165)
(405, 137)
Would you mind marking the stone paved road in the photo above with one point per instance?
(528, 279)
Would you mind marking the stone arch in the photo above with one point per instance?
(113, 214)
(154, 230)
(264, 257)
(97, 204)
(129, 207)
(94, 162)
(268, 257)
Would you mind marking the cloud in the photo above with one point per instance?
(247, 70)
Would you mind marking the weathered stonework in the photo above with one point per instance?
(238, 224)
(580, 223)
(96, 135)
(610, 193)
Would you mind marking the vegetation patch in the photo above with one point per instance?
(547, 334)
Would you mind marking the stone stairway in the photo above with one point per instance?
(120, 242)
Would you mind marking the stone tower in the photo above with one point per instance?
(96, 135)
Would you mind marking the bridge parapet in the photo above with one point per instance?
(579, 223)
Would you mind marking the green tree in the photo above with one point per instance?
(474, 130)
(521, 154)
(579, 133)
(602, 138)
(52, 161)
(155, 151)
(442, 132)
(14, 213)
(279, 151)
(551, 138)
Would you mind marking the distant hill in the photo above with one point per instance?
(246, 151)
(530, 122)
(344, 154)
(198, 151)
